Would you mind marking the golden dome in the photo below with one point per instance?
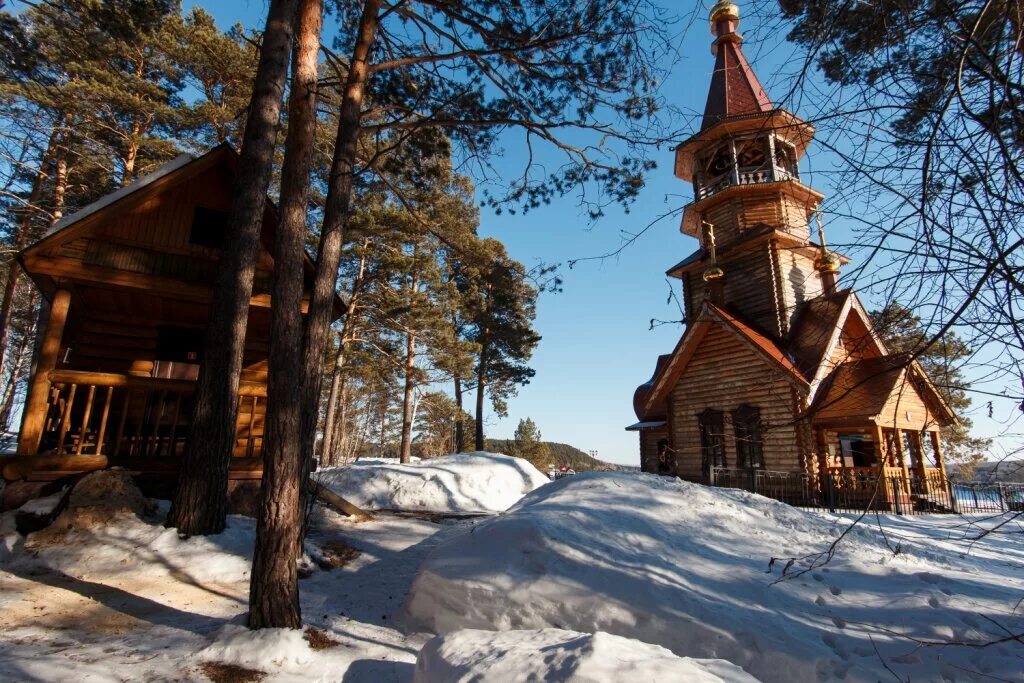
(723, 9)
(827, 262)
(713, 273)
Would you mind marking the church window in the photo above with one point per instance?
(751, 153)
(720, 161)
(712, 438)
(746, 422)
(785, 158)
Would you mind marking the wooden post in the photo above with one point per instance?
(36, 406)
(939, 460)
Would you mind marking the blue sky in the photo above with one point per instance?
(597, 345)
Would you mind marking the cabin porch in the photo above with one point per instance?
(111, 389)
(887, 467)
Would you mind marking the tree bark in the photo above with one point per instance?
(337, 209)
(200, 500)
(405, 451)
(327, 449)
(274, 586)
(460, 435)
(481, 374)
(20, 361)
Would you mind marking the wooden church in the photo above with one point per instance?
(129, 280)
(779, 369)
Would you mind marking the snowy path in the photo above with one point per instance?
(65, 613)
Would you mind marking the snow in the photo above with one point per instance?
(129, 600)
(569, 657)
(266, 649)
(462, 483)
(687, 567)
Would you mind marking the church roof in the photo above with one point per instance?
(735, 89)
(864, 389)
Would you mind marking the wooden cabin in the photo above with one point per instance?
(778, 370)
(129, 281)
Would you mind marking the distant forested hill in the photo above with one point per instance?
(562, 454)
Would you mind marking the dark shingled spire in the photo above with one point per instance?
(735, 90)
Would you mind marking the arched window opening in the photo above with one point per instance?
(712, 439)
(785, 160)
(746, 422)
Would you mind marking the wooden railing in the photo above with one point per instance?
(121, 416)
(745, 175)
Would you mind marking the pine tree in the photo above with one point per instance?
(503, 331)
(219, 65)
(200, 500)
(527, 444)
(902, 332)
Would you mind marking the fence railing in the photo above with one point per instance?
(98, 413)
(888, 489)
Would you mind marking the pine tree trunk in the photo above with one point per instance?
(274, 586)
(20, 361)
(408, 409)
(21, 241)
(337, 209)
(481, 374)
(460, 435)
(327, 446)
(200, 500)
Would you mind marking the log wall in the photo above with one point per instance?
(723, 374)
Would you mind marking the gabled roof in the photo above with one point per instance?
(863, 388)
(171, 174)
(668, 373)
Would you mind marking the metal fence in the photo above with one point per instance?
(855, 490)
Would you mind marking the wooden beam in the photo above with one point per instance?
(69, 268)
(36, 404)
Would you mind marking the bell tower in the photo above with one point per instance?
(750, 210)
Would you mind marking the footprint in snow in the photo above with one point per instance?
(818, 577)
(835, 590)
(820, 601)
(934, 602)
(839, 622)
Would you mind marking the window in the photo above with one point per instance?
(208, 227)
(179, 344)
(720, 161)
(712, 438)
(746, 422)
(751, 153)
(856, 450)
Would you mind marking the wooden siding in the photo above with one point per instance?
(905, 409)
(749, 287)
(798, 282)
(153, 238)
(649, 448)
(723, 374)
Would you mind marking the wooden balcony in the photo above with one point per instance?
(94, 419)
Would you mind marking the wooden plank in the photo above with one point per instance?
(36, 404)
(103, 421)
(66, 418)
(85, 419)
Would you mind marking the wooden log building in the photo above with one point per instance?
(129, 281)
(779, 369)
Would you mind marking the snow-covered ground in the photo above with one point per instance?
(462, 483)
(132, 601)
(687, 567)
(667, 563)
(473, 656)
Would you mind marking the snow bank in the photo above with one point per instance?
(266, 649)
(466, 482)
(568, 657)
(686, 567)
(131, 548)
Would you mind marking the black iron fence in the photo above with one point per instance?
(889, 489)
